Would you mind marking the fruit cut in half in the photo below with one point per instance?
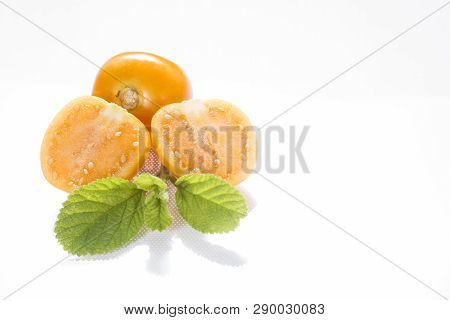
(210, 136)
(91, 139)
(141, 83)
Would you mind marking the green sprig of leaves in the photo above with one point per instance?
(109, 213)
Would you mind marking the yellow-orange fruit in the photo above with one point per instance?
(141, 83)
(91, 139)
(210, 136)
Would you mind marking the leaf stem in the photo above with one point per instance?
(165, 175)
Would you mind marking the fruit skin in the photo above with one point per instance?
(177, 139)
(90, 139)
(141, 83)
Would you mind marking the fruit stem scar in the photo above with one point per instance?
(129, 98)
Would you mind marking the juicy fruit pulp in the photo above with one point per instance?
(210, 136)
(91, 139)
(141, 83)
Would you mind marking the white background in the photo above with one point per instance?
(377, 149)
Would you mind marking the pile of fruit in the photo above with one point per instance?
(96, 145)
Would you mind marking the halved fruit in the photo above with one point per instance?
(91, 139)
(210, 136)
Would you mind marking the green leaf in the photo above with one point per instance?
(148, 182)
(156, 213)
(209, 204)
(101, 216)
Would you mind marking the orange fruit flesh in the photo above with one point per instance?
(210, 136)
(91, 139)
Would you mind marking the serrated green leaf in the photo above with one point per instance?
(148, 182)
(156, 214)
(100, 217)
(209, 204)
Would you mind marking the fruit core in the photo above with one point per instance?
(129, 98)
